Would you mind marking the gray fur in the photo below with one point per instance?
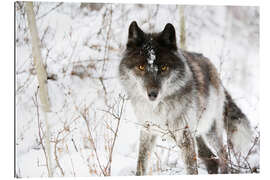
(189, 100)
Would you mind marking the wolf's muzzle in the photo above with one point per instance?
(152, 93)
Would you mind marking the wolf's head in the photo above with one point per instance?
(151, 66)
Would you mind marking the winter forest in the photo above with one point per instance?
(73, 118)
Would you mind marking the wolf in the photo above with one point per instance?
(178, 95)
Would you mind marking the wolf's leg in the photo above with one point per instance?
(215, 138)
(147, 143)
(207, 156)
(187, 145)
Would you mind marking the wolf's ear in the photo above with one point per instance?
(167, 37)
(135, 35)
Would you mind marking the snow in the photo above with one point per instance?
(74, 40)
(149, 50)
(152, 57)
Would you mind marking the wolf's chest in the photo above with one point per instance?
(154, 119)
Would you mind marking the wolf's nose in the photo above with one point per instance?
(152, 94)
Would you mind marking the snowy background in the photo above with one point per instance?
(81, 48)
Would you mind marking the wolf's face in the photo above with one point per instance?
(151, 67)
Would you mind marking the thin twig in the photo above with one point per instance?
(92, 142)
(56, 157)
(107, 39)
(45, 14)
(40, 129)
(74, 174)
(108, 166)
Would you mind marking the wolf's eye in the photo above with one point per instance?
(164, 68)
(141, 67)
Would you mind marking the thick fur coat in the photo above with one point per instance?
(174, 92)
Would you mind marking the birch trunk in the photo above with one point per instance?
(182, 29)
(42, 78)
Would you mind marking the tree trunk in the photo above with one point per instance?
(182, 28)
(42, 78)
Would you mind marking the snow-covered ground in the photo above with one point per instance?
(82, 46)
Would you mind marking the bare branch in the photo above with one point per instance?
(45, 14)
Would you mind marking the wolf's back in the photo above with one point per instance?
(235, 122)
